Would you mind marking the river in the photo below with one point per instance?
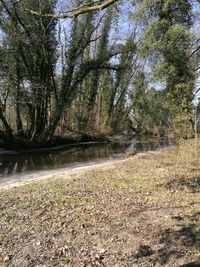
(29, 164)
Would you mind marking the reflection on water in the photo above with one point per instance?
(71, 157)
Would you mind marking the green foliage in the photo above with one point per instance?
(150, 106)
(166, 42)
(76, 76)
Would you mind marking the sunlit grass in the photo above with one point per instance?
(108, 197)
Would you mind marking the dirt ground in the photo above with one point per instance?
(142, 211)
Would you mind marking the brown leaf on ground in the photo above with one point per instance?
(142, 211)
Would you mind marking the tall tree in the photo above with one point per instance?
(32, 43)
(166, 41)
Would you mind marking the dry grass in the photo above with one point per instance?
(143, 211)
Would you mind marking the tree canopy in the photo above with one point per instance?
(113, 66)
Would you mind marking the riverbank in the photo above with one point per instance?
(66, 143)
(142, 211)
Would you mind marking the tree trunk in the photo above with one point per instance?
(18, 117)
(11, 140)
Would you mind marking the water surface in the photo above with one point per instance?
(14, 165)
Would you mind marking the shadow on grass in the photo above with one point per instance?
(191, 264)
(181, 239)
(192, 184)
(175, 244)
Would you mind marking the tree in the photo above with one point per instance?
(33, 43)
(73, 75)
(166, 41)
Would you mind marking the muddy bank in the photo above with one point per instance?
(46, 149)
(53, 145)
(63, 143)
(143, 211)
(59, 143)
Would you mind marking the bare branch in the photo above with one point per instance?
(96, 5)
(195, 51)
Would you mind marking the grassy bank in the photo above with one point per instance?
(143, 211)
